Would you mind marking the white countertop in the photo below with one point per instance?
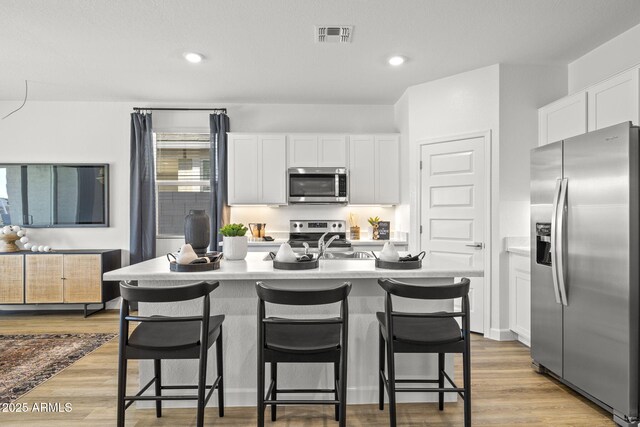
(255, 268)
(360, 242)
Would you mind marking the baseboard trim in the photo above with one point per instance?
(501, 335)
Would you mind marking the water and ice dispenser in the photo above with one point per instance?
(543, 243)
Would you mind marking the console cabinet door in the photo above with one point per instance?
(11, 279)
(44, 283)
(82, 278)
(614, 101)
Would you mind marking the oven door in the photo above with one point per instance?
(317, 186)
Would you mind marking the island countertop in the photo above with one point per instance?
(254, 267)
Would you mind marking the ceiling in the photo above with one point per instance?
(264, 51)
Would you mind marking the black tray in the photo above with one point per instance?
(193, 268)
(401, 265)
(296, 265)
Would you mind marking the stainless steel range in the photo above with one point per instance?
(310, 232)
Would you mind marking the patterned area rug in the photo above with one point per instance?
(27, 361)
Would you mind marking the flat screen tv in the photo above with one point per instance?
(54, 195)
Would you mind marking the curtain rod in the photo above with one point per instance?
(222, 110)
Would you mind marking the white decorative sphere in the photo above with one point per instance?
(21, 233)
(27, 246)
(41, 248)
(47, 249)
(6, 229)
(34, 248)
(15, 228)
(24, 239)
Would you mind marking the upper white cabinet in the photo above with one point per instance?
(257, 169)
(562, 119)
(374, 169)
(614, 101)
(317, 151)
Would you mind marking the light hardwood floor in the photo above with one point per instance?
(506, 391)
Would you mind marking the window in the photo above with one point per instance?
(183, 170)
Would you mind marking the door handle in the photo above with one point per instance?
(476, 245)
(554, 255)
(562, 203)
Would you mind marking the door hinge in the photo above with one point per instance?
(420, 164)
(420, 229)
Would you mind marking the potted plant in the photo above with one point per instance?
(234, 241)
(373, 221)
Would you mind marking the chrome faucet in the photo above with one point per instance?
(322, 246)
(306, 248)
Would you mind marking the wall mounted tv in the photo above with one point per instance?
(54, 195)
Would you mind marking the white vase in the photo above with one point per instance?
(234, 248)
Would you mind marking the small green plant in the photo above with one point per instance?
(233, 230)
(373, 220)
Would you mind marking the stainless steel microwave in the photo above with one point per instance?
(318, 185)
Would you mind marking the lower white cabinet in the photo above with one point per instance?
(520, 296)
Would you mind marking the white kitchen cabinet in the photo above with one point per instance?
(257, 169)
(562, 119)
(374, 169)
(615, 100)
(310, 150)
(520, 296)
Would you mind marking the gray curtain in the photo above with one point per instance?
(142, 206)
(219, 125)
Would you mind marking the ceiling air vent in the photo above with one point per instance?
(334, 34)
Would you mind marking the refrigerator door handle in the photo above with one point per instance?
(561, 209)
(554, 258)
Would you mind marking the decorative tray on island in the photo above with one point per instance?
(305, 262)
(209, 262)
(404, 263)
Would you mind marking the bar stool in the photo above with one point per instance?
(284, 340)
(160, 337)
(424, 333)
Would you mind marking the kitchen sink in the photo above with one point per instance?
(340, 255)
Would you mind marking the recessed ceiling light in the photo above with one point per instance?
(193, 57)
(396, 60)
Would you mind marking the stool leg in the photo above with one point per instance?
(336, 379)
(220, 374)
(158, 383)
(381, 357)
(391, 379)
(274, 394)
(466, 366)
(202, 382)
(343, 388)
(260, 401)
(122, 387)
(441, 380)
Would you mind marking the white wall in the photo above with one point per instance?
(618, 54)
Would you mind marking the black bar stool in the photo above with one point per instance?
(160, 337)
(424, 333)
(282, 340)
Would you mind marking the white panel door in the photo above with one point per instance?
(388, 170)
(362, 169)
(452, 209)
(615, 101)
(332, 151)
(562, 119)
(273, 169)
(243, 169)
(303, 151)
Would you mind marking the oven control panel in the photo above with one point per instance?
(317, 226)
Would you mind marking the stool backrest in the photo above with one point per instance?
(302, 296)
(166, 293)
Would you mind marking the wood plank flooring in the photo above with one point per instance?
(506, 390)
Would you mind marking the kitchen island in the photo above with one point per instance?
(236, 298)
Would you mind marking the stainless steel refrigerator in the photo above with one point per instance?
(585, 228)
